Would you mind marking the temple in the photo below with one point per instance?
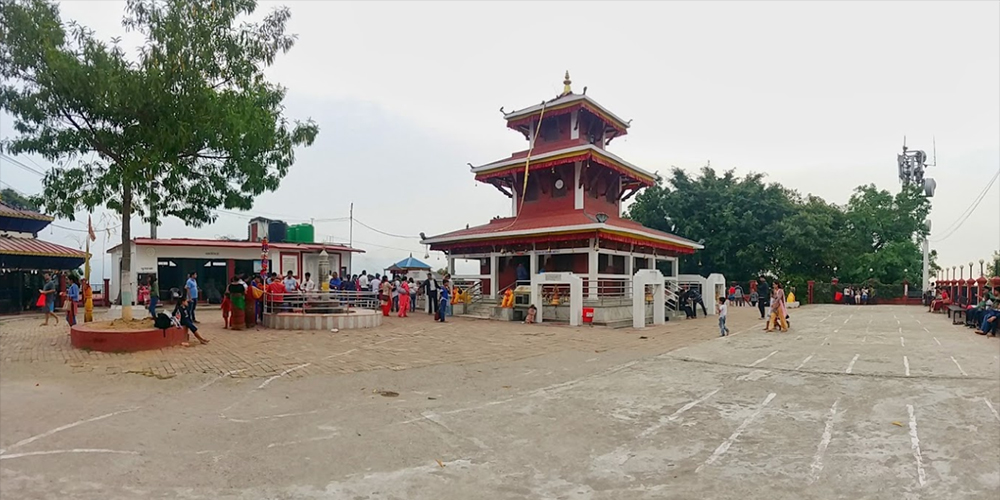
(566, 193)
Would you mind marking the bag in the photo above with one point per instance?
(162, 321)
(257, 292)
(41, 300)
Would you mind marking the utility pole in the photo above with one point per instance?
(152, 210)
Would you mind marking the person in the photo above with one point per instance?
(275, 294)
(335, 282)
(395, 293)
(430, 288)
(722, 310)
(249, 302)
(942, 302)
(754, 298)
(763, 295)
(363, 280)
(404, 298)
(309, 285)
(386, 297)
(696, 300)
(291, 284)
(192, 294)
(154, 295)
(864, 296)
(376, 283)
(732, 292)
(857, 296)
(778, 312)
(238, 304)
(685, 302)
(522, 273)
(73, 294)
(49, 291)
(443, 300)
(740, 299)
(227, 310)
(413, 294)
(848, 298)
(532, 313)
(182, 311)
(988, 326)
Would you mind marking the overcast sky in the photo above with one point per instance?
(816, 95)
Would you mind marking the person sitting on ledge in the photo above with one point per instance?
(989, 325)
(941, 302)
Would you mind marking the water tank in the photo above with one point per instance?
(307, 233)
(277, 232)
(293, 234)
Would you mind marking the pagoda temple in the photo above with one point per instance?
(566, 193)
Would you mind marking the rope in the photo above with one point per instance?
(527, 164)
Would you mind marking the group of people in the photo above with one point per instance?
(981, 314)
(49, 293)
(863, 295)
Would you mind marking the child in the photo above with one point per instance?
(532, 311)
(227, 310)
(182, 311)
(721, 309)
(444, 296)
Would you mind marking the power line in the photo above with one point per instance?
(385, 233)
(972, 206)
(968, 213)
(23, 166)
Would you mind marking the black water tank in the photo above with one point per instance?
(277, 231)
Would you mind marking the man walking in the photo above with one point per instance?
(764, 297)
(430, 287)
(192, 293)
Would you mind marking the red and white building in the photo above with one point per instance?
(216, 261)
(568, 218)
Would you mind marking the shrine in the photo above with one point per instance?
(566, 191)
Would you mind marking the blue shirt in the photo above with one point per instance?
(73, 292)
(192, 288)
(335, 284)
(444, 294)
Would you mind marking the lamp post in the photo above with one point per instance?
(981, 262)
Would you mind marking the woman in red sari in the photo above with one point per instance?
(404, 298)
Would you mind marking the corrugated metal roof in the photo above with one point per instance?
(411, 263)
(195, 242)
(36, 248)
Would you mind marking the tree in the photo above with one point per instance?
(749, 227)
(187, 125)
(17, 200)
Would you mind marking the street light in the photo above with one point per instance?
(981, 273)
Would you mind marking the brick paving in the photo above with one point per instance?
(399, 344)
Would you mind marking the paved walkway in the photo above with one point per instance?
(399, 344)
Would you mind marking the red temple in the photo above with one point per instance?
(566, 217)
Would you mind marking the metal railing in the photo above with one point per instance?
(320, 302)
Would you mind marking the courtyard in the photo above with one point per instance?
(853, 402)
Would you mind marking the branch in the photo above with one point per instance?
(93, 138)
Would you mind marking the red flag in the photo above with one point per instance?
(90, 229)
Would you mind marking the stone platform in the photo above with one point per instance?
(352, 320)
(90, 336)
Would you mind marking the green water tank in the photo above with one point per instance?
(307, 233)
(293, 234)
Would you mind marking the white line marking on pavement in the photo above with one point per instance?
(992, 409)
(721, 450)
(906, 365)
(915, 445)
(665, 420)
(926, 330)
(850, 367)
(817, 464)
(804, 361)
(900, 329)
(835, 330)
(848, 319)
(938, 341)
(75, 450)
(216, 379)
(953, 360)
(761, 360)
(864, 339)
(824, 340)
(340, 354)
(303, 441)
(901, 342)
(918, 322)
(282, 374)
(63, 428)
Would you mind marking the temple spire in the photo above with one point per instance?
(566, 85)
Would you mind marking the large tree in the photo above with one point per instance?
(185, 125)
(751, 227)
(17, 200)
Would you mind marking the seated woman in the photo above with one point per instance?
(989, 324)
(941, 303)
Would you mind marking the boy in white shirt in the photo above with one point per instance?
(722, 309)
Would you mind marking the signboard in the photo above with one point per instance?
(257, 265)
(290, 262)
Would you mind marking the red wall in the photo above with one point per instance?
(545, 203)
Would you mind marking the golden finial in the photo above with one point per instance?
(566, 83)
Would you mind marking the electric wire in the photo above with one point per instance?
(970, 211)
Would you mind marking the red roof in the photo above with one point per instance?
(36, 248)
(565, 222)
(194, 242)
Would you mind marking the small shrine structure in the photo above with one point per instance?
(566, 191)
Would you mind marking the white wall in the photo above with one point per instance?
(144, 259)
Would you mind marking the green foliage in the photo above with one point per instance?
(750, 228)
(993, 265)
(187, 125)
(17, 200)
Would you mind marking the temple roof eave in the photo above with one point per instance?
(491, 169)
(565, 102)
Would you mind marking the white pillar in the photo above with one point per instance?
(533, 264)
(639, 282)
(577, 188)
(675, 263)
(451, 265)
(592, 262)
(494, 286)
(926, 276)
(630, 265)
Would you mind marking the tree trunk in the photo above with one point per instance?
(125, 277)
